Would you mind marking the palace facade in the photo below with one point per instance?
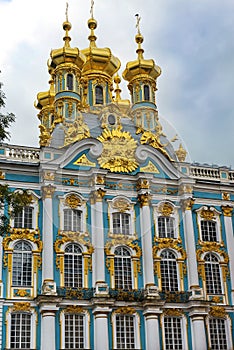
(125, 244)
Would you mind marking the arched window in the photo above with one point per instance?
(99, 95)
(208, 231)
(166, 227)
(169, 276)
(217, 333)
(73, 266)
(212, 273)
(69, 81)
(146, 93)
(72, 220)
(121, 223)
(22, 265)
(24, 218)
(123, 268)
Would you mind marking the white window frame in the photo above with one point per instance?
(86, 316)
(33, 327)
(131, 264)
(129, 209)
(136, 329)
(35, 212)
(143, 92)
(216, 219)
(220, 271)
(81, 248)
(183, 330)
(177, 268)
(228, 326)
(174, 215)
(21, 268)
(82, 207)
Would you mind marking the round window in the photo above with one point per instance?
(111, 119)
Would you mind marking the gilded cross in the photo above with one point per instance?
(66, 13)
(138, 23)
(91, 9)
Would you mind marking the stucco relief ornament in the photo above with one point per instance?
(118, 153)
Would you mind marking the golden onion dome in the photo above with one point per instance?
(141, 66)
(46, 99)
(66, 54)
(98, 60)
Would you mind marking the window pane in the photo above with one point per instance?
(173, 333)
(212, 272)
(20, 333)
(73, 266)
(123, 269)
(70, 82)
(169, 276)
(146, 93)
(121, 223)
(24, 218)
(74, 331)
(208, 229)
(166, 227)
(72, 220)
(99, 95)
(125, 337)
(22, 265)
(218, 337)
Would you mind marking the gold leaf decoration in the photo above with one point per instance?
(118, 153)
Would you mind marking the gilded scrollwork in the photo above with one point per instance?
(144, 199)
(207, 214)
(125, 310)
(165, 209)
(218, 311)
(173, 312)
(227, 210)
(47, 191)
(73, 201)
(187, 204)
(123, 241)
(24, 306)
(73, 309)
(22, 233)
(121, 204)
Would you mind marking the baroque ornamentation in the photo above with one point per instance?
(154, 141)
(168, 243)
(212, 247)
(144, 199)
(73, 201)
(125, 310)
(73, 309)
(227, 210)
(207, 214)
(166, 209)
(21, 293)
(22, 233)
(76, 131)
(97, 196)
(143, 184)
(118, 153)
(217, 311)
(47, 191)
(226, 196)
(47, 175)
(173, 312)
(67, 237)
(83, 160)
(150, 168)
(121, 204)
(181, 153)
(187, 204)
(123, 241)
(26, 307)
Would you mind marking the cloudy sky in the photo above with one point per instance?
(191, 40)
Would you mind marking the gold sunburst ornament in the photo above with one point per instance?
(118, 153)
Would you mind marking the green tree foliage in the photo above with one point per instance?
(6, 119)
(10, 202)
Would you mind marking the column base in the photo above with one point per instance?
(49, 287)
(101, 289)
(151, 292)
(197, 293)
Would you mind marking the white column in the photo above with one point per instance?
(152, 329)
(101, 338)
(227, 212)
(198, 332)
(146, 238)
(47, 234)
(98, 236)
(48, 335)
(193, 280)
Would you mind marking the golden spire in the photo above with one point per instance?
(66, 26)
(139, 38)
(92, 24)
(117, 81)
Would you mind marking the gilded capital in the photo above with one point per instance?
(187, 204)
(144, 199)
(97, 196)
(227, 210)
(47, 191)
(143, 184)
